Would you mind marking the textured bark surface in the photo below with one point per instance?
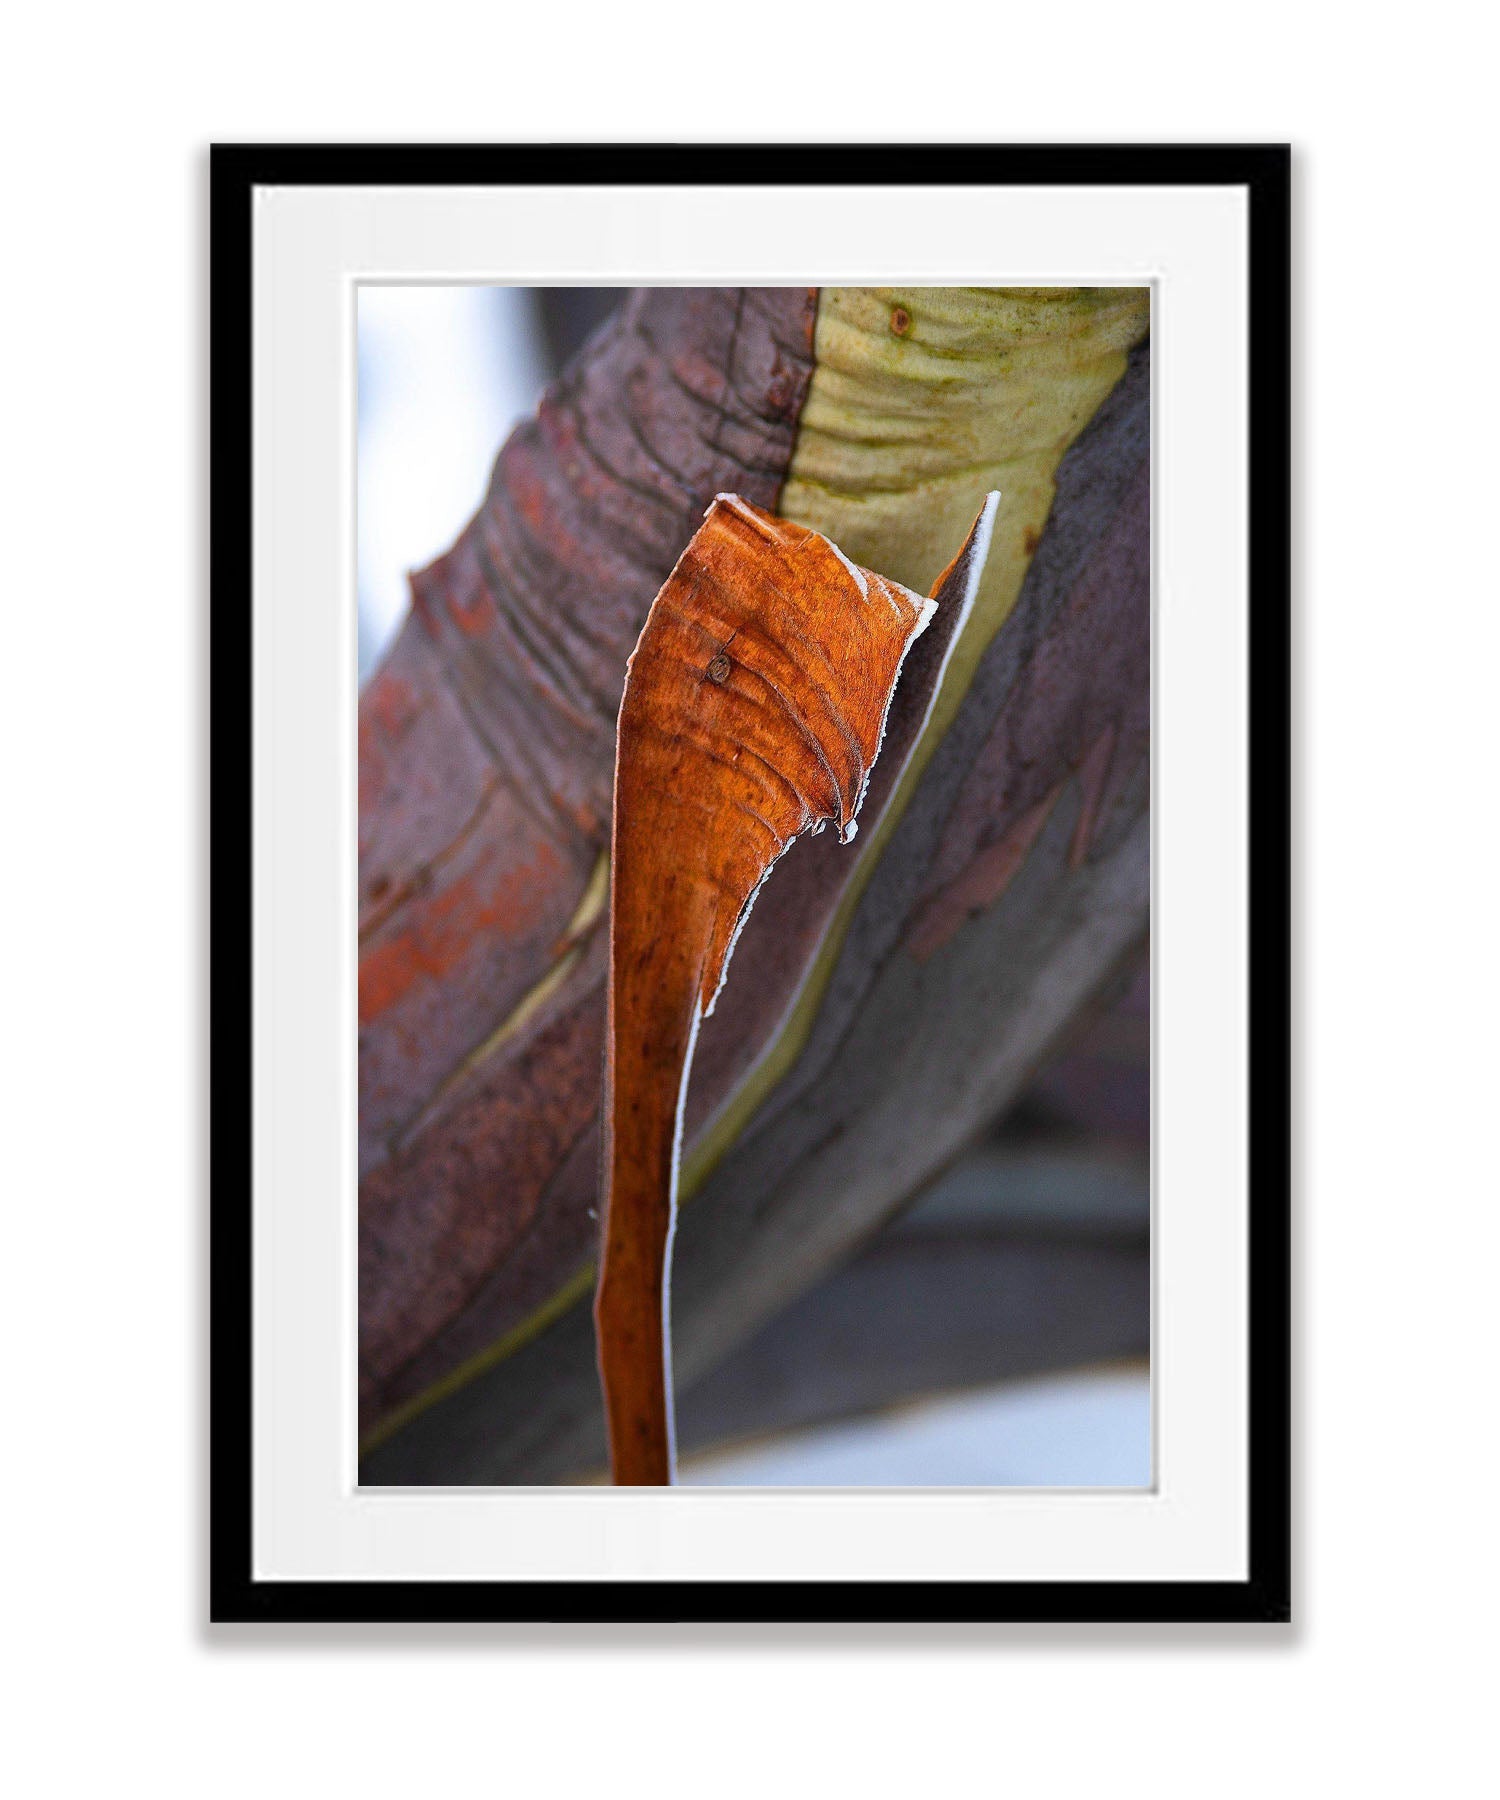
(1013, 880)
(486, 756)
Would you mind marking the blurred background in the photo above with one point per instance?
(997, 1331)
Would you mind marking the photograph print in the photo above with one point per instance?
(754, 886)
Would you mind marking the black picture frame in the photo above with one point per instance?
(1263, 171)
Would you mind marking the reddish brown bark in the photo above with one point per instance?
(486, 751)
(1080, 715)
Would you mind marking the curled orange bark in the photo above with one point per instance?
(754, 707)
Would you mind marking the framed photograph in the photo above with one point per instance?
(632, 1200)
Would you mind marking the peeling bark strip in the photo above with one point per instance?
(755, 705)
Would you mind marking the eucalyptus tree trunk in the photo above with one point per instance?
(885, 1001)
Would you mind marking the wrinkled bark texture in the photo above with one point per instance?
(486, 759)
(1011, 885)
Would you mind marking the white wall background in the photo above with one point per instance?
(1385, 1684)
